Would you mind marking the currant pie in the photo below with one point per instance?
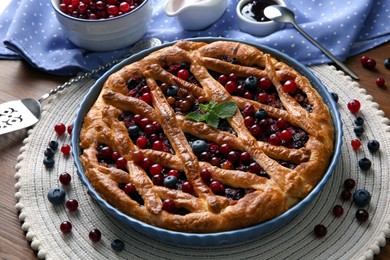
(206, 137)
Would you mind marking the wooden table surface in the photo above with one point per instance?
(19, 80)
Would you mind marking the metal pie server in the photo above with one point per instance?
(19, 114)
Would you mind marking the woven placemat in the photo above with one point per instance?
(346, 238)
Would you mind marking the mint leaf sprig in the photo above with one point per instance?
(212, 112)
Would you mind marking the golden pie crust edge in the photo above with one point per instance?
(209, 213)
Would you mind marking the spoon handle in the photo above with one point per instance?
(328, 53)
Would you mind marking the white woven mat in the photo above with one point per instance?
(346, 238)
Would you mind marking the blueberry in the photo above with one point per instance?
(359, 130)
(170, 181)
(49, 152)
(359, 121)
(199, 146)
(131, 84)
(133, 130)
(53, 145)
(117, 245)
(251, 83)
(335, 97)
(172, 91)
(361, 197)
(387, 63)
(261, 114)
(48, 162)
(56, 196)
(373, 146)
(364, 164)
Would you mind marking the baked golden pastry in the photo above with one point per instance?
(206, 137)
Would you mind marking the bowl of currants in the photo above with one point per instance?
(103, 25)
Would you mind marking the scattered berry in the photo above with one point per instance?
(346, 195)
(56, 196)
(69, 129)
(338, 211)
(117, 245)
(49, 162)
(387, 63)
(356, 144)
(365, 164)
(72, 205)
(53, 145)
(367, 62)
(49, 152)
(65, 178)
(66, 227)
(359, 121)
(354, 106)
(380, 81)
(320, 230)
(359, 130)
(373, 146)
(60, 128)
(335, 97)
(65, 149)
(349, 184)
(362, 215)
(95, 235)
(361, 197)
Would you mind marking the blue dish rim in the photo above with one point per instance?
(218, 238)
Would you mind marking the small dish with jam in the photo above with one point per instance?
(251, 18)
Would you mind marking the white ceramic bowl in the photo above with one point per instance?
(254, 27)
(106, 34)
(196, 14)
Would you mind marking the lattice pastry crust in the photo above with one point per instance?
(214, 188)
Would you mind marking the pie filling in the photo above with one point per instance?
(146, 156)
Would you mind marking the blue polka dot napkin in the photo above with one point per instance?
(29, 30)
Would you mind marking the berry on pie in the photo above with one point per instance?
(206, 137)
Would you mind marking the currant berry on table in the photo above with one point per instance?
(380, 81)
(65, 149)
(353, 106)
(66, 227)
(320, 230)
(349, 184)
(362, 215)
(60, 128)
(356, 144)
(95, 235)
(72, 205)
(338, 211)
(65, 178)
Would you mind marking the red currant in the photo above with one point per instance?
(66, 227)
(380, 81)
(121, 163)
(60, 128)
(183, 74)
(65, 149)
(290, 86)
(95, 235)
(65, 178)
(72, 205)
(338, 211)
(346, 195)
(320, 230)
(353, 106)
(362, 215)
(231, 86)
(155, 169)
(187, 187)
(169, 205)
(129, 189)
(349, 184)
(356, 144)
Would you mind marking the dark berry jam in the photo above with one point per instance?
(254, 10)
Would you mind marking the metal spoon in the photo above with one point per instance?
(284, 15)
(18, 114)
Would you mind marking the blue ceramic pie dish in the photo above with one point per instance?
(219, 238)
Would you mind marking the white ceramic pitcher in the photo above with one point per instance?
(196, 14)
